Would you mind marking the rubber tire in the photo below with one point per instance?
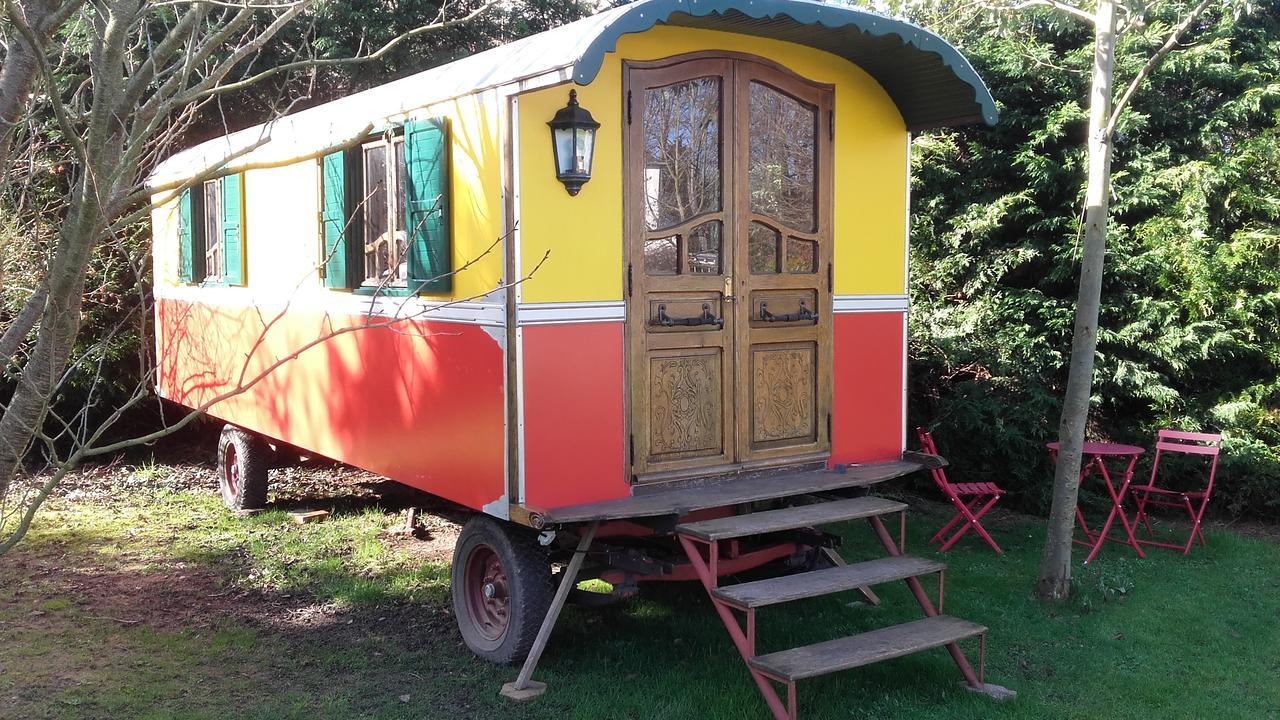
(254, 458)
(529, 580)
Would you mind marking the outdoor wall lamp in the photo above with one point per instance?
(573, 138)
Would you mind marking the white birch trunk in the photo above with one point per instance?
(1055, 567)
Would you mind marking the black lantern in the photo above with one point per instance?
(573, 139)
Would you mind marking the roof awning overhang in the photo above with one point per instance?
(931, 82)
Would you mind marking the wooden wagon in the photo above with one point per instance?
(632, 290)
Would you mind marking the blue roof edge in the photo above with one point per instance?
(643, 15)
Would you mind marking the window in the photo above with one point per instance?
(212, 211)
(385, 261)
(385, 215)
(210, 232)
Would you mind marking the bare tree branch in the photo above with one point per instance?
(438, 24)
(1154, 61)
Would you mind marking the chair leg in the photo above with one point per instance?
(960, 508)
(1196, 530)
(982, 531)
(1142, 513)
(971, 521)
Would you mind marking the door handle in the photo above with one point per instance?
(706, 318)
(803, 313)
(728, 289)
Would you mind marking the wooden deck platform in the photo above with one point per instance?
(734, 491)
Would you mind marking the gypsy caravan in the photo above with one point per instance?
(632, 290)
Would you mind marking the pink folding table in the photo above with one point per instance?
(1097, 455)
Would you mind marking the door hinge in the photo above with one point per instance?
(831, 278)
(828, 427)
(831, 124)
(629, 284)
(631, 449)
(628, 107)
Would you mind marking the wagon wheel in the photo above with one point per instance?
(501, 590)
(243, 459)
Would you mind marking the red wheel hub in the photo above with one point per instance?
(487, 591)
(229, 462)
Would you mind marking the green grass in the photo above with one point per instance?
(167, 607)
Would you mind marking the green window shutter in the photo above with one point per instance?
(232, 230)
(426, 159)
(186, 239)
(333, 219)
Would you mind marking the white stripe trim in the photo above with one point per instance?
(321, 301)
(569, 313)
(869, 303)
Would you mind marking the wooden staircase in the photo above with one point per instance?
(702, 542)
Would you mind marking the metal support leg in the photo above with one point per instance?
(703, 569)
(970, 677)
(524, 687)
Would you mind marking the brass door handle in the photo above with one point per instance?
(728, 289)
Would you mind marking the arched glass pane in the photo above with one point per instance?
(762, 249)
(682, 151)
(783, 155)
(704, 249)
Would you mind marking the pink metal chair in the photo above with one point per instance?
(1193, 501)
(971, 500)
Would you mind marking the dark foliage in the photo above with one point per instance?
(1188, 333)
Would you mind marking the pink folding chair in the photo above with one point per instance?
(1193, 501)
(971, 500)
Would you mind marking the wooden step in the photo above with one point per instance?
(869, 647)
(824, 582)
(789, 518)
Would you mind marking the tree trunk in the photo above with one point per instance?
(1055, 567)
(20, 65)
(59, 326)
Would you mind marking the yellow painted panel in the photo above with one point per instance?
(475, 131)
(282, 227)
(164, 239)
(581, 236)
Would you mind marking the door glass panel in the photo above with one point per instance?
(661, 254)
(704, 249)
(783, 153)
(681, 151)
(762, 248)
(802, 256)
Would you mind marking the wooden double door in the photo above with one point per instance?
(727, 217)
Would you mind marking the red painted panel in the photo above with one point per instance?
(573, 388)
(866, 417)
(420, 402)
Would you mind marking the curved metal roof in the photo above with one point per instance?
(932, 84)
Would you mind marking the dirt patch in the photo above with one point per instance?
(431, 539)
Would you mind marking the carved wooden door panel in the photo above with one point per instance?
(783, 313)
(727, 235)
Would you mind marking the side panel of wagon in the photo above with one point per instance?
(420, 400)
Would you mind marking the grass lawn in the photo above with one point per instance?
(161, 605)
